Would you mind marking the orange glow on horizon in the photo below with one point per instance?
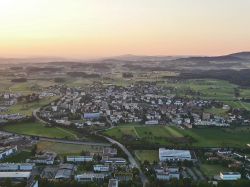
(94, 28)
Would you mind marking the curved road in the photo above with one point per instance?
(130, 157)
(123, 148)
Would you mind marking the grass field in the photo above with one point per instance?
(27, 108)
(38, 129)
(66, 149)
(205, 137)
(149, 155)
(213, 89)
(212, 170)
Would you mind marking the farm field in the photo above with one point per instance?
(66, 149)
(27, 108)
(169, 135)
(214, 89)
(149, 155)
(38, 129)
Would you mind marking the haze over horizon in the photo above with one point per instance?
(94, 29)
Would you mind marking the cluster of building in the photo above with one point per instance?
(145, 103)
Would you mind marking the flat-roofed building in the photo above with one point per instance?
(113, 160)
(167, 173)
(22, 175)
(65, 171)
(173, 154)
(113, 183)
(230, 176)
(7, 151)
(79, 158)
(16, 166)
(101, 168)
(86, 177)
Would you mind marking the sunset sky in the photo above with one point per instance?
(98, 28)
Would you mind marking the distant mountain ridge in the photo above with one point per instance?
(234, 57)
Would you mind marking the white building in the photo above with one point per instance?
(79, 158)
(101, 168)
(86, 177)
(230, 175)
(172, 154)
(15, 175)
(16, 167)
(7, 151)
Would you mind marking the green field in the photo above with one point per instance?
(67, 149)
(213, 89)
(170, 135)
(38, 129)
(149, 155)
(211, 170)
(27, 108)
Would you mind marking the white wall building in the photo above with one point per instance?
(230, 175)
(101, 168)
(172, 154)
(7, 151)
(79, 158)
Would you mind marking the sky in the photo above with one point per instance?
(101, 28)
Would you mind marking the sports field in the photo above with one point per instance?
(38, 129)
(170, 135)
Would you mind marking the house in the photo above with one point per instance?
(173, 154)
(7, 151)
(113, 183)
(79, 158)
(90, 116)
(152, 122)
(230, 175)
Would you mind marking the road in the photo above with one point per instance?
(130, 158)
(37, 117)
(62, 141)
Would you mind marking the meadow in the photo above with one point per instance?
(67, 149)
(38, 129)
(174, 136)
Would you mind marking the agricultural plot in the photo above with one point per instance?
(27, 108)
(38, 129)
(149, 155)
(214, 89)
(67, 149)
(170, 135)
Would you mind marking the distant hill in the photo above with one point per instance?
(242, 55)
